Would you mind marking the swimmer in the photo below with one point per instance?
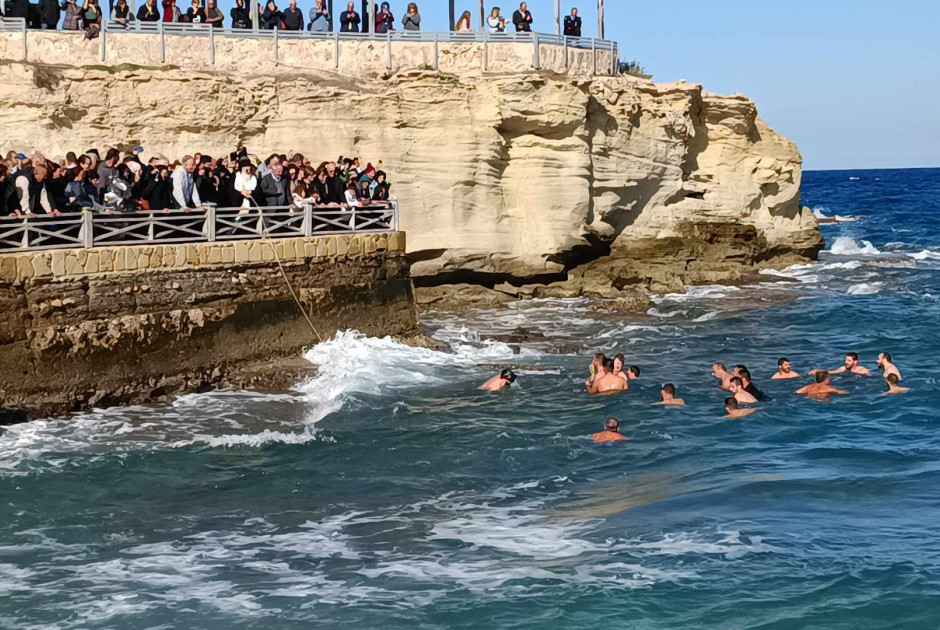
(619, 362)
(822, 388)
(733, 410)
(784, 371)
(610, 434)
(597, 369)
(501, 382)
(851, 366)
(893, 387)
(668, 394)
(607, 384)
(634, 372)
(720, 372)
(749, 385)
(739, 393)
(885, 364)
(736, 370)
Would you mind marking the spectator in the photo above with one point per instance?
(320, 18)
(32, 194)
(522, 19)
(108, 168)
(18, 9)
(9, 203)
(271, 17)
(195, 14)
(384, 20)
(412, 19)
(153, 188)
(91, 16)
(380, 187)
(573, 24)
(463, 24)
(120, 13)
(73, 16)
(147, 13)
(241, 15)
(496, 22)
(207, 180)
(322, 188)
(214, 17)
(82, 192)
(349, 19)
(293, 17)
(49, 13)
(171, 12)
(185, 194)
(275, 188)
(245, 184)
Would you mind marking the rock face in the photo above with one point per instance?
(600, 183)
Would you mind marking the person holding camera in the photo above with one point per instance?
(496, 22)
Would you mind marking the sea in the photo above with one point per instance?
(390, 492)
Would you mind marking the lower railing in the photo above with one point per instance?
(92, 229)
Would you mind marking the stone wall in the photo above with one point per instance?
(82, 328)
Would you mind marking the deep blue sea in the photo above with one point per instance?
(390, 493)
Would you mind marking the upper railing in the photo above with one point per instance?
(92, 229)
(610, 49)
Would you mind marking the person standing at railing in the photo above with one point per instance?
(573, 24)
(171, 12)
(522, 19)
(185, 194)
(496, 22)
(49, 14)
(271, 17)
(275, 187)
(17, 9)
(463, 24)
(349, 20)
(120, 13)
(384, 20)
(108, 168)
(9, 203)
(320, 18)
(214, 17)
(195, 14)
(245, 184)
(73, 16)
(241, 15)
(91, 16)
(292, 17)
(32, 194)
(149, 12)
(412, 19)
(82, 192)
(153, 187)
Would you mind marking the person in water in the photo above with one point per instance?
(608, 384)
(749, 385)
(784, 371)
(738, 392)
(851, 367)
(668, 395)
(733, 409)
(720, 372)
(887, 367)
(501, 382)
(619, 362)
(610, 434)
(597, 369)
(893, 387)
(822, 388)
(634, 372)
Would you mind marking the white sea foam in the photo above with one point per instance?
(704, 292)
(925, 254)
(865, 288)
(846, 246)
(819, 213)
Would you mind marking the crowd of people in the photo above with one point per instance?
(610, 377)
(125, 182)
(86, 15)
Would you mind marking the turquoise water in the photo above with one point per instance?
(390, 492)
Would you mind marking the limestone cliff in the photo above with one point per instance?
(527, 176)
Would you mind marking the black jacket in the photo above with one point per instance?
(293, 20)
(142, 15)
(522, 25)
(572, 26)
(158, 193)
(8, 199)
(349, 22)
(276, 193)
(49, 12)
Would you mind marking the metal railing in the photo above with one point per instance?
(92, 229)
(164, 29)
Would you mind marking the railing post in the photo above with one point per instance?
(308, 220)
(212, 45)
(162, 44)
(25, 49)
(535, 51)
(395, 217)
(437, 63)
(151, 228)
(352, 220)
(87, 231)
(336, 49)
(210, 223)
(276, 55)
(594, 54)
(388, 61)
(104, 43)
(486, 50)
(566, 52)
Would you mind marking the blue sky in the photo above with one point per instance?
(854, 84)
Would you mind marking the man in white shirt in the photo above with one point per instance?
(184, 189)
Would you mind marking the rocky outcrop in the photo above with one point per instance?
(599, 183)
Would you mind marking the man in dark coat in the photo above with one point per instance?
(573, 24)
(522, 19)
(49, 14)
(349, 19)
(275, 187)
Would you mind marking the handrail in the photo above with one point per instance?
(212, 224)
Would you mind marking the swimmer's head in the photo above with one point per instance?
(719, 368)
(611, 424)
(730, 404)
(619, 360)
(745, 376)
(883, 358)
(893, 380)
(669, 389)
(784, 364)
(851, 360)
(609, 365)
(822, 377)
(735, 384)
(738, 369)
(508, 375)
(633, 372)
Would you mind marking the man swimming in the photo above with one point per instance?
(619, 361)
(893, 387)
(499, 383)
(732, 410)
(720, 372)
(822, 388)
(597, 369)
(634, 372)
(887, 367)
(851, 366)
(607, 384)
(668, 394)
(736, 387)
(784, 371)
(610, 434)
(749, 385)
